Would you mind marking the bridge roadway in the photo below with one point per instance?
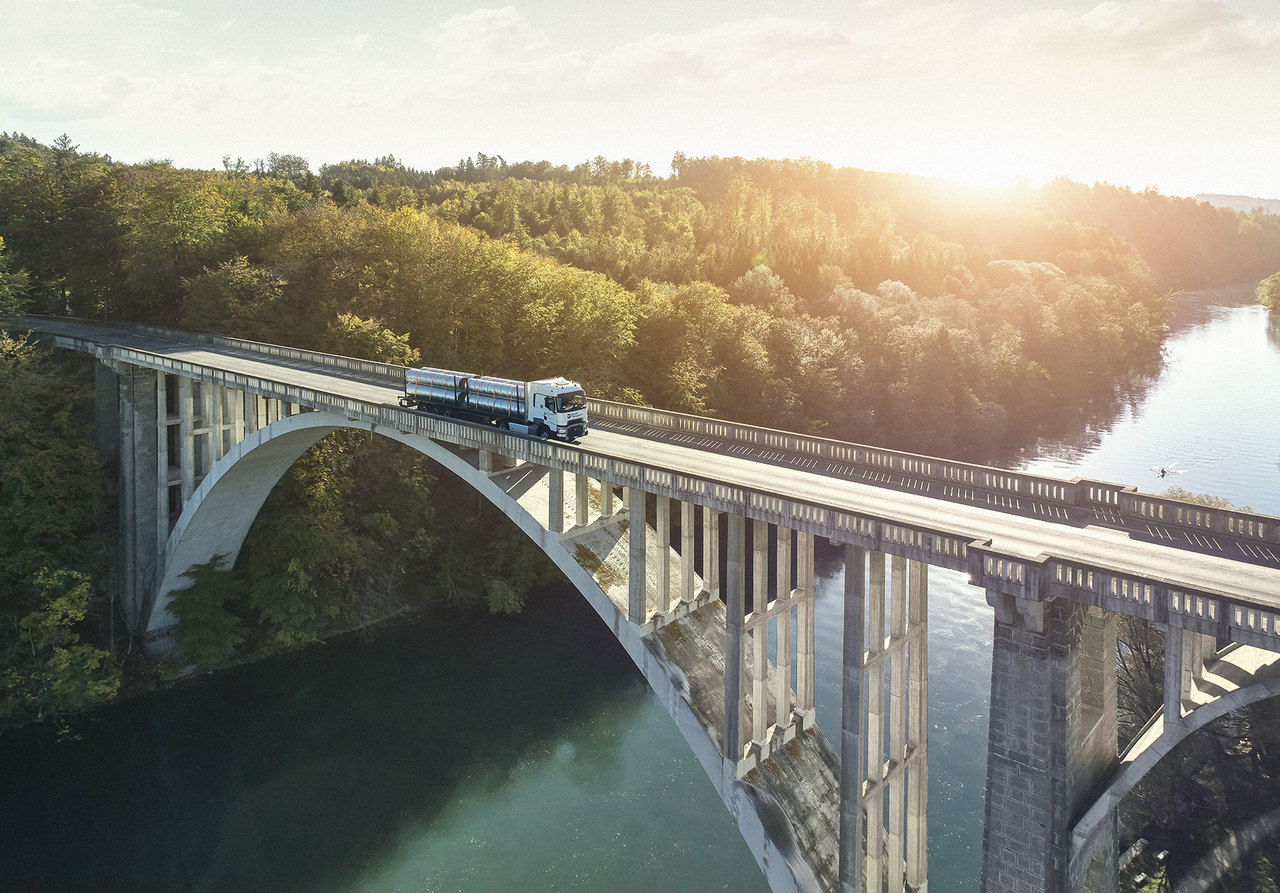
(1252, 580)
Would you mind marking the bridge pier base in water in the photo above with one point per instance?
(1052, 737)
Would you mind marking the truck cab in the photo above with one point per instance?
(559, 406)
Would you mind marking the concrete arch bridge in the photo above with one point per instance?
(202, 427)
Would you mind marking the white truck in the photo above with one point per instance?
(549, 407)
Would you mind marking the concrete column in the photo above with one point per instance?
(688, 539)
(139, 476)
(162, 463)
(250, 413)
(735, 597)
(874, 816)
(484, 461)
(555, 500)
(851, 739)
(710, 552)
(782, 586)
(206, 426)
(760, 632)
(216, 422)
(106, 410)
(1052, 736)
(637, 609)
(804, 628)
(896, 856)
(186, 436)
(663, 521)
(606, 499)
(581, 500)
(918, 727)
(235, 415)
(1174, 649)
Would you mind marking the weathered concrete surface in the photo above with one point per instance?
(1052, 733)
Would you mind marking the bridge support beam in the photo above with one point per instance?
(581, 500)
(637, 591)
(884, 675)
(1185, 655)
(688, 539)
(1052, 736)
(852, 739)
(710, 552)
(139, 478)
(555, 500)
(735, 585)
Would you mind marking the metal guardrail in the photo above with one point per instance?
(965, 481)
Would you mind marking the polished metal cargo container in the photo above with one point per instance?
(496, 396)
(440, 386)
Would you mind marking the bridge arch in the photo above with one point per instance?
(1247, 675)
(217, 517)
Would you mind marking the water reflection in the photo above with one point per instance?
(315, 771)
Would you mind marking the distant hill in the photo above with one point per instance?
(1243, 203)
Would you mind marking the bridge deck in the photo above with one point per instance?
(1023, 536)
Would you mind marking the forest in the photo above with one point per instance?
(879, 308)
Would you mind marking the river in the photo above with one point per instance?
(479, 753)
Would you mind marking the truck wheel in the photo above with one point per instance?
(544, 432)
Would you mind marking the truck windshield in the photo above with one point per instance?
(571, 402)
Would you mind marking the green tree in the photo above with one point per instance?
(1269, 291)
(208, 632)
(12, 289)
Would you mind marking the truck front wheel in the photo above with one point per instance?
(544, 432)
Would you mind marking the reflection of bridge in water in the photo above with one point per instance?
(693, 539)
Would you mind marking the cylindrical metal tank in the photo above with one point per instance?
(496, 396)
(435, 385)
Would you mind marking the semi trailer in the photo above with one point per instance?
(549, 407)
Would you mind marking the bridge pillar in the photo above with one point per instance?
(139, 480)
(662, 521)
(1185, 655)
(1052, 737)
(806, 713)
(759, 632)
(735, 609)
(877, 771)
(606, 499)
(782, 693)
(852, 739)
(637, 591)
(917, 766)
(688, 538)
(710, 552)
(555, 500)
(581, 500)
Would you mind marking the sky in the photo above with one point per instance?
(1182, 96)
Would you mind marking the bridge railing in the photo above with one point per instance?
(961, 481)
(350, 364)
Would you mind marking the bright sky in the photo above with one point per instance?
(1179, 95)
